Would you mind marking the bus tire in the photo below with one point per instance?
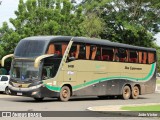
(7, 91)
(126, 93)
(135, 92)
(65, 94)
(39, 99)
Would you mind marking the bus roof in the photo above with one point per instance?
(97, 41)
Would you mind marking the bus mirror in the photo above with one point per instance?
(4, 58)
(38, 59)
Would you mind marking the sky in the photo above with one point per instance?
(7, 8)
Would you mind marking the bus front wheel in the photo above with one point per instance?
(65, 94)
(135, 92)
(126, 93)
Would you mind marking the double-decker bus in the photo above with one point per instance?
(65, 66)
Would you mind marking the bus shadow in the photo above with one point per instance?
(73, 99)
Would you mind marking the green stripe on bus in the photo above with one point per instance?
(53, 88)
(117, 77)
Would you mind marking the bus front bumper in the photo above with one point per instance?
(37, 91)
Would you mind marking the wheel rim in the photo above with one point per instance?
(65, 93)
(126, 92)
(135, 92)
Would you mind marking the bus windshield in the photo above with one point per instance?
(24, 71)
(30, 48)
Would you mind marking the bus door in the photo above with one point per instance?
(70, 73)
(70, 68)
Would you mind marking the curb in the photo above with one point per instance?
(116, 107)
(115, 111)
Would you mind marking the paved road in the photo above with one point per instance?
(75, 104)
(14, 103)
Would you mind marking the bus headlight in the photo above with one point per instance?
(34, 93)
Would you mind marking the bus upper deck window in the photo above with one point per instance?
(107, 53)
(133, 57)
(51, 49)
(151, 57)
(73, 52)
(93, 52)
(121, 55)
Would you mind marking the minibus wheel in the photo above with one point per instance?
(7, 91)
(126, 92)
(135, 92)
(65, 94)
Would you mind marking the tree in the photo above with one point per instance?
(93, 25)
(8, 39)
(41, 17)
(132, 22)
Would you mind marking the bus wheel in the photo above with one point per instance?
(7, 91)
(39, 99)
(126, 92)
(65, 94)
(135, 92)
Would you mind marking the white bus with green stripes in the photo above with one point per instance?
(65, 66)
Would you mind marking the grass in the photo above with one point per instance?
(142, 108)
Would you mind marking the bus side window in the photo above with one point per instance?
(58, 50)
(93, 52)
(116, 57)
(133, 56)
(142, 57)
(121, 55)
(82, 52)
(72, 53)
(87, 51)
(51, 49)
(98, 54)
(77, 51)
(151, 57)
(107, 54)
(64, 46)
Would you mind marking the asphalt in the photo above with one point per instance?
(116, 109)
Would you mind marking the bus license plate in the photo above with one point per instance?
(19, 93)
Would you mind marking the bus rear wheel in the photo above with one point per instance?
(126, 93)
(65, 94)
(135, 92)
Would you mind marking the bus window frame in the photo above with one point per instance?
(78, 44)
(129, 56)
(59, 43)
(109, 48)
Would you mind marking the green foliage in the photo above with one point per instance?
(131, 22)
(93, 25)
(41, 17)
